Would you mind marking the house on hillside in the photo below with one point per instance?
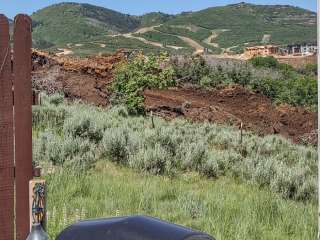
(304, 49)
(267, 50)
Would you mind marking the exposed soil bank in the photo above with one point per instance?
(78, 78)
(88, 79)
(234, 105)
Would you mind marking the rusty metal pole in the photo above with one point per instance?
(6, 136)
(23, 121)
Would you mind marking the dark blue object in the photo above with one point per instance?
(129, 228)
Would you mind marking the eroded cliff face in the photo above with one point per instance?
(78, 78)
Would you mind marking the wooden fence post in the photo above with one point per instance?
(23, 121)
(6, 136)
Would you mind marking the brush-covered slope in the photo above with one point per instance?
(243, 23)
(74, 22)
(230, 27)
(155, 18)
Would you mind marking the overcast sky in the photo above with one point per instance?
(138, 7)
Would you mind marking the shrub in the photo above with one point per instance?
(309, 69)
(139, 73)
(175, 146)
(196, 156)
(115, 145)
(280, 82)
(55, 99)
(210, 167)
(48, 116)
(155, 160)
(79, 154)
(268, 62)
(84, 126)
(76, 153)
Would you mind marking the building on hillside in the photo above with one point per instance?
(305, 49)
(300, 49)
(267, 50)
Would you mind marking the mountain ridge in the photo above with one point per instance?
(222, 28)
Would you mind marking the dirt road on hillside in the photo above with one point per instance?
(198, 48)
(156, 44)
(210, 40)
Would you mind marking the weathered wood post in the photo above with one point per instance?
(6, 136)
(15, 128)
(241, 133)
(22, 120)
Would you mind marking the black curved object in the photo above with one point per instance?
(129, 228)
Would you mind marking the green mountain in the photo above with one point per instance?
(243, 23)
(88, 29)
(155, 18)
(74, 22)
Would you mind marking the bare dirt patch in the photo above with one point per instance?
(233, 105)
(86, 78)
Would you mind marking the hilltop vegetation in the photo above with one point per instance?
(248, 23)
(280, 82)
(75, 23)
(234, 26)
(154, 19)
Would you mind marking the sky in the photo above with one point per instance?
(138, 7)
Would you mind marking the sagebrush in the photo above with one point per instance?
(79, 135)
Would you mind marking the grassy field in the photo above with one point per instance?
(224, 208)
(105, 162)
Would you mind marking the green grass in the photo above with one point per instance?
(223, 207)
(102, 163)
(76, 136)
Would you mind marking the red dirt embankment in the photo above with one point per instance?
(234, 105)
(88, 79)
(298, 61)
(78, 78)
